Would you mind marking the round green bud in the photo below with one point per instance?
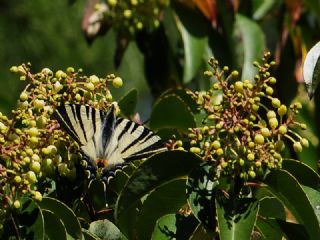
(16, 204)
(259, 139)
(241, 162)
(250, 156)
(17, 179)
(33, 132)
(14, 69)
(37, 196)
(273, 122)
(35, 157)
(258, 164)
(70, 70)
(224, 164)
(94, 79)
(77, 97)
(216, 144)
(89, 86)
(265, 132)
(303, 126)
(52, 149)
(139, 25)
(269, 90)
(238, 86)
(297, 147)
(57, 86)
(31, 177)
(282, 110)
(219, 151)
(276, 103)
(208, 73)
(283, 129)
(251, 144)
(35, 166)
(61, 74)
(195, 150)
(272, 80)
(112, 2)
(252, 174)
(304, 142)
(271, 114)
(117, 82)
(127, 13)
(23, 96)
(34, 139)
(39, 104)
(297, 105)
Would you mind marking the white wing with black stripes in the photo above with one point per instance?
(105, 138)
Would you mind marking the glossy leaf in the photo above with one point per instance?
(200, 193)
(253, 43)
(194, 40)
(168, 198)
(170, 111)
(269, 229)
(261, 8)
(97, 194)
(105, 229)
(54, 228)
(236, 217)
(88, 235)
(271, 207)
(314, 198)
(200, 233)
(288, 190)
(154, 172)
(63, 212)
(174, 226)
(303, 173)
(311, 69)
(128, 103)
(31, 218)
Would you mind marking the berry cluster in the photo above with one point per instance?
(33, 148)
(244, 126)
(130, 16)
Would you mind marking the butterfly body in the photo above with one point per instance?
(107, 140)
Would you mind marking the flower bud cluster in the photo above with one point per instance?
(244, 125)
(33, 148)
(131, 16)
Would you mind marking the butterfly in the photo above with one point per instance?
(108, 141)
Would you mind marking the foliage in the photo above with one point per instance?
(232, 135)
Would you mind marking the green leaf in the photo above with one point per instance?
(200, 233)
(31, 218)
(170, 111)
(262, 7)
(168, 198)
(128, 103)
(97, 194)
(271, 207)
(174, 226)
(154, 172)
(54, 228)
(303, 173)
(63, 212)
(311, 69)
(314, 198)
(253, 42)
(288, 190)
(195, 40)
(200, 193)
(293, 231)
(236, 217)
(105, 230)
(88, 235)
(269, 229)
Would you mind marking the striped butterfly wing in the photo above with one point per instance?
(105, 137)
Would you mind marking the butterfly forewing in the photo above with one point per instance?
(102, 135)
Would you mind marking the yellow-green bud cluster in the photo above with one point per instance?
(32, 145)
(245, 124)
(131, 16)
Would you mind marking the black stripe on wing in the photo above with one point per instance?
(62, 116)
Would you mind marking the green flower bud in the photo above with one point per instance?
(272, 80)
(273, 122)
(23, 96)
(112, 2)
(283, 129)
(304, 142)
(282, 110)
(252, 174)
(303, 126)
(250, 156)
(39, 104)
(238, 86)
(276, 102)
(216, 144)
(297, 147)
(279, 146)
(77, 97)
(195, 150)
(37, 196)
(265, 132)
(269, 90)
(35, 166)
(89, 86)
(33, 132)
(94, 79)
(271, 114)
(219, 151)
(259, 139)
(17, 204)
(31, 177)
(17, 179)
(117, 82)
(127, 13)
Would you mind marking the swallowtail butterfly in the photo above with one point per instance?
(106, 139)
